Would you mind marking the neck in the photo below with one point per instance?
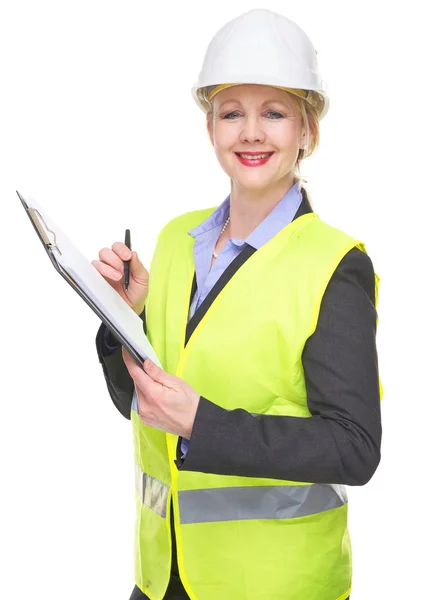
(248, 207)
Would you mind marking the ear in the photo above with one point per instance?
(307, 141)
(209, 118)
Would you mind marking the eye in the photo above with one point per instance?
(230, 114)
(273, 112)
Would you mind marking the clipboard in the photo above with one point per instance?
(132, 338)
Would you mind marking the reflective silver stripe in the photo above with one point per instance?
(153, 493)
(270, 502)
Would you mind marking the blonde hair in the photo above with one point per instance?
(310, 119)
(309, 114)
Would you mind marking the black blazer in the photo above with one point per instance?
(341, 442)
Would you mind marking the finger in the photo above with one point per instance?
(161, 376)
(108, 256)
(107, 271)
(146, 409)
(122, 250)
(138, 271)
(136, 372)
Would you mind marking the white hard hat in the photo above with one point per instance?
(261, 47)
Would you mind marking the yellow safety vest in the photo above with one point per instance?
(240, 538)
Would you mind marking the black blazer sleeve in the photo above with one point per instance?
(340, 442)
(119, 382)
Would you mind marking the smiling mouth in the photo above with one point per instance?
(253, 160)
(254, 156)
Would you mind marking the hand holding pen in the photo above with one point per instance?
(119, 262)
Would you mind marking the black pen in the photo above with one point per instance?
(127, 262)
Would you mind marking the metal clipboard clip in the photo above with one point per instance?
(42, 230)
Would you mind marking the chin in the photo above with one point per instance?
(255, 184)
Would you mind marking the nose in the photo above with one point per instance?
(252, 130)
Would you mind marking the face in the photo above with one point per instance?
(256, 119)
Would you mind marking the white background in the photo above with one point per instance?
(98, 124)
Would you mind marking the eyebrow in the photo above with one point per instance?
(273, 100)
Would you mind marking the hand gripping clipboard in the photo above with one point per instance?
(91, 286)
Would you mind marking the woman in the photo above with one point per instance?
(264, 319)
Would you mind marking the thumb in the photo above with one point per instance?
(140, 273)
(157, 374)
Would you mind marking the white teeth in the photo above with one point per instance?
(253, 157)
